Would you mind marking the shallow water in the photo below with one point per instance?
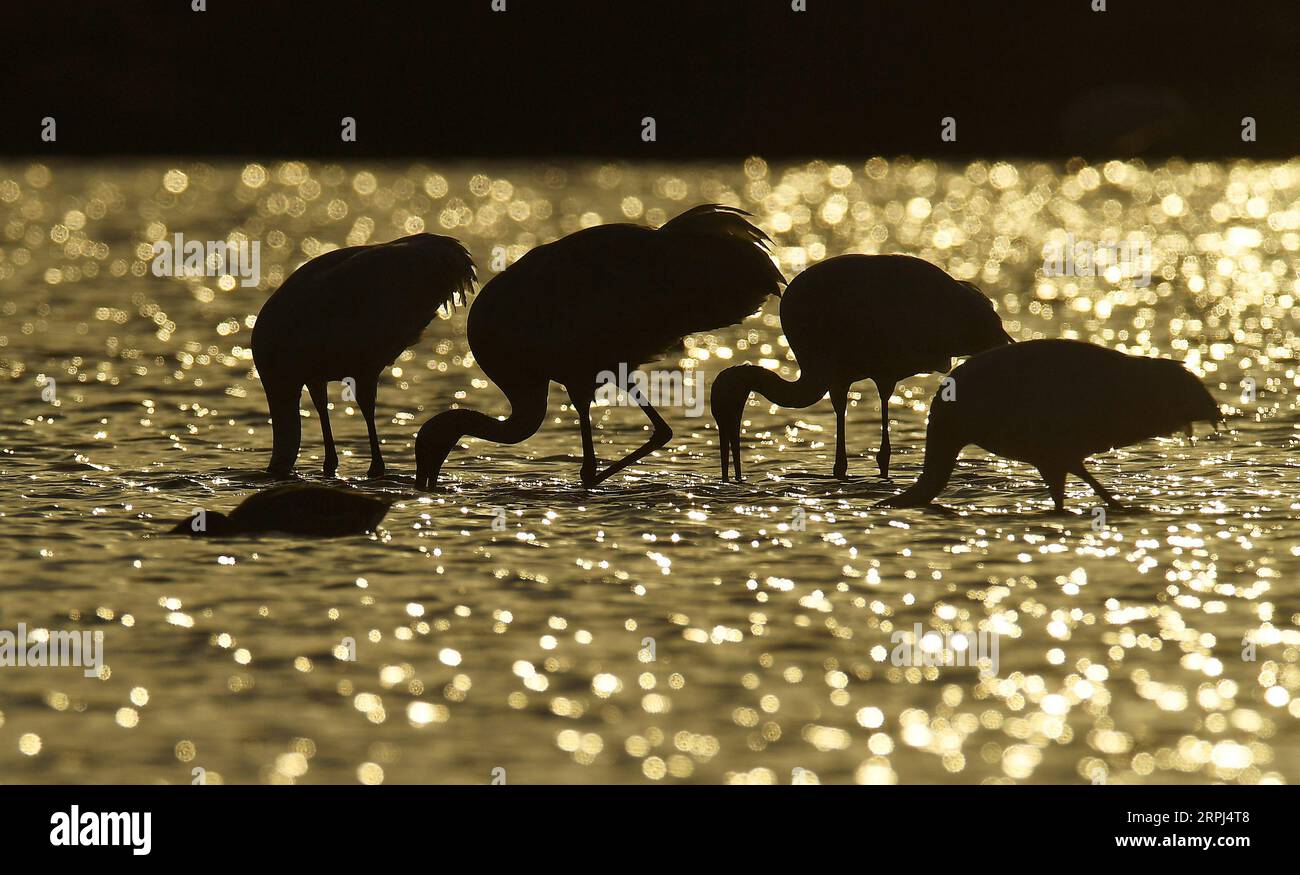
(1158, 645)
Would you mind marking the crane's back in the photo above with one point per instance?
(885, 315)
(613, 294)
(1049, 399)
(355, 309)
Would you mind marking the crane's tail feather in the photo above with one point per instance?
(722, 250)
(717, 220)
(449, 265)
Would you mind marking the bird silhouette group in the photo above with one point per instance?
(624, 295)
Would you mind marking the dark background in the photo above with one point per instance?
(507, 828)
(451, 78)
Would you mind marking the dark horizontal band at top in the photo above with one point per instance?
(720, 78)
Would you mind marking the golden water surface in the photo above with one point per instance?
(665, 627)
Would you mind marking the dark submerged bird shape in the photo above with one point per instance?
(855, 317)
(600, 297)
(1054, 403)
(295, 509)
(348, 314)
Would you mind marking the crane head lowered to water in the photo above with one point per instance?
(855, 317)
(601, 300)
(1054, 403)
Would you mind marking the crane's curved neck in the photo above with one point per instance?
(527, 410)
(803, 392)
(444, 431)
(942, 447)
(934, 476)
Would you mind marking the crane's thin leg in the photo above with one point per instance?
(581, 402)
(367, 389)
(1086, 477)
(1055, 480)
(727, 447)
(886, 391)
(840, 401)
(286, 429)
(662, 435)
(320, 397)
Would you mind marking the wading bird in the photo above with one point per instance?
(1054, 403)
(860, 317)
(347, 315)
(586, 303)
(295, 509)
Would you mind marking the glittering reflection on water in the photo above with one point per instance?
(666, 627)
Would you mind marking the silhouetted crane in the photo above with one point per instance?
(604, 296)
(1054, 403)
(855, 317)
(295, 509)
(347, 315)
